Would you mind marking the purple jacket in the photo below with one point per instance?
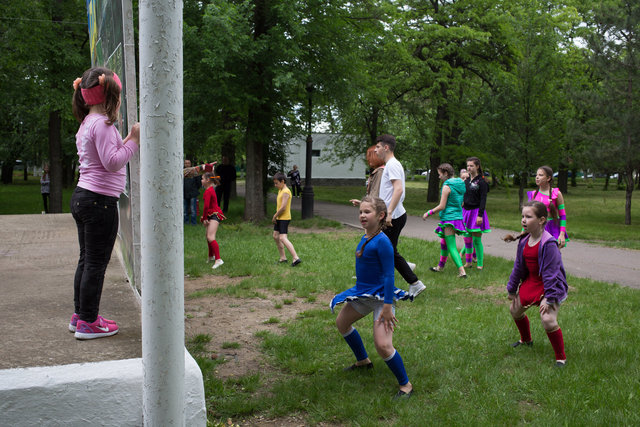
(554, 278)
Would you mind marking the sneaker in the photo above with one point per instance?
(73, 323)
(401, 395)
(519, 343)
(97, 329)
(209, 259)
(296, 262)
(416, 288)
(561, 363)
(217, 264)
(411, 265)
(355, 367)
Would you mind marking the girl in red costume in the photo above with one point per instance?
(211, 217)
(538, 278)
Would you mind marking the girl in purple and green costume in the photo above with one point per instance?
(554, 201)
(450, 213)
(474, 215)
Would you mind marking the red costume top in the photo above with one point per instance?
(532, 288)
(211, 204)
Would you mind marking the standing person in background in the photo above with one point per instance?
(474, 212)
(392, 191)
(281, 220)
(227, 174)
(554, 201)
(538, 278)
(450, 213)
(103, 156)
(375, 176)
(191, 192)
(211, 217)
(45, 180)
(294, 175)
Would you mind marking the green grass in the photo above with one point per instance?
(593, 215)
(23, 197)
(454, 341)
(454, 338)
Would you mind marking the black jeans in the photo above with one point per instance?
(96, 217)
(393, 233)
(45, 202)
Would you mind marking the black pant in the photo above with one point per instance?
(223, 192)
(45, 202)
(295, 189)
(393, 233)
(96, 217)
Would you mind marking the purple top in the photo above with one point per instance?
(103, 156)
(554, 278)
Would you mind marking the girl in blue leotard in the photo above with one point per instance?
(374, 292)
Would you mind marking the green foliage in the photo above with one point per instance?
(44, 48)
(23, 197)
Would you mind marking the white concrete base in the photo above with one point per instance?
(102, 393)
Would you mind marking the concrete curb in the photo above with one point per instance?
(109, 393)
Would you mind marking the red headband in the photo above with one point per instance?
(95, 95)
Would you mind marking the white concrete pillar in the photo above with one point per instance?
(162, 269)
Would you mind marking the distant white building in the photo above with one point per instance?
(323, 170)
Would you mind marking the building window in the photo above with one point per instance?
(315, 153)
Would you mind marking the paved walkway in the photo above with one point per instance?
(580, 259)
(38, 257)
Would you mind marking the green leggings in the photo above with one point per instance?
(453, 251)
(477, 244)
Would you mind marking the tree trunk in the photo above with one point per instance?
(254, 207)
(258, 121)
(606, 182)
(55, 162)
(574, 174)
(523, 182)
(563, 179)
(494, 180)
(229, 147)
(628, 193)
(433, 193)
(25, 172)
(442, 121)
(7, 171)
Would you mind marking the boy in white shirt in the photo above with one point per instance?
(392, 191)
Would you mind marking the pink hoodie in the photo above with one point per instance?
(103, 156)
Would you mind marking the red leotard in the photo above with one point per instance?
(532, 289)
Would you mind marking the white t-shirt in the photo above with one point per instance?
(392, 170)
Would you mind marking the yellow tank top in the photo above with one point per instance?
(286, 214)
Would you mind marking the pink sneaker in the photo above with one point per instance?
(74, 321)
(98, 329)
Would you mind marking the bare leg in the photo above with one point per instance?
(276, 237)
(383, 339)
(284, 240)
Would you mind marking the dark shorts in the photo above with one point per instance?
(213, 217)
(281, 226)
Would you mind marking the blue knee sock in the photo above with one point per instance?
(355, 342)
(394, 362)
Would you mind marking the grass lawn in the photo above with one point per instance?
(23, 197)
(454, 339)
(593, 215)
